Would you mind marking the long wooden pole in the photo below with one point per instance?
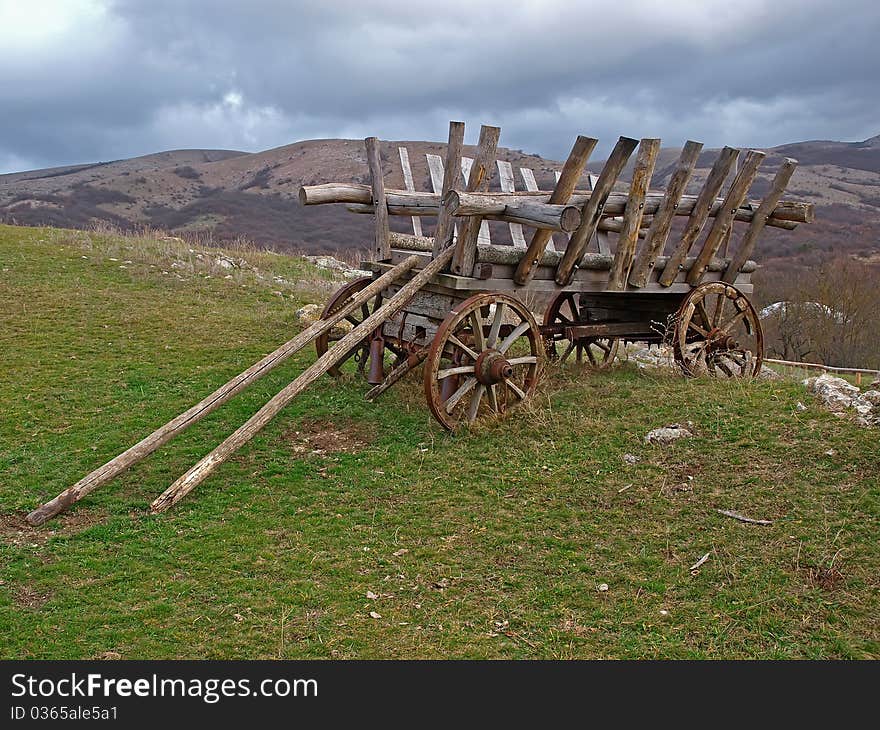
(198, 473)
(445, 225)
(177, 425)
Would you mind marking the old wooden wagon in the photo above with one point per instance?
(465, 307)
(607, 280)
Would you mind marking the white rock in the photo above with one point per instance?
(872, 396)
(800, 406)
(835, 393)
(667, 434)
(631, 458)
(602, 588)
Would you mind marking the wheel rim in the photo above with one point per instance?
(484, 360)
(718, 333)
(360, 351)
(565, 309)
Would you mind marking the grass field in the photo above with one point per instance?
(489, 544)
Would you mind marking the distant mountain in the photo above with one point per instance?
(228, 194)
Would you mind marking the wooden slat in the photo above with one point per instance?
(724, 220)
(483, 237)
(628, 238)
(505, 176)
(655, 240)
(381, 247)
(445, 226)
(435, 168)
(759, 219)
(529, 179)
(699, 214)
(565, 185)
(410, 185)
(466, 246)
(593, 209)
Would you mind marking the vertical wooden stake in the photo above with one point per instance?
(382, 245)
(445, 226)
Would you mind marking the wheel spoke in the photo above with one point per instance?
(474, 407)
(732, 321)
(567, 352)
(463, 390)
(696, 328)
(572, 305)
(459, 344)
(493, 398)
(719, 309)
(477, 321)
(722, 366)
(588, 348)
(351, 318)
(525, 360)
(461, 370)
(515, 388)
(704, 315)
(518, 331)
(496, 325)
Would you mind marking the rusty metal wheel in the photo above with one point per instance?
(565, 309)
(718, 333)
(483, 361)
(368, 349)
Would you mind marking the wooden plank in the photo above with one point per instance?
(484, 236)
(381, 247)
(529, 179)
(628, 238)
(446, 229)
(655, 240)
(699, 213)
(593, 209)
(435, 168)
(198, 473)
(759, 220)
(466, 246)
(178, 425)
(410, 185)
(724, 220)
(505, 176)
(565, 185)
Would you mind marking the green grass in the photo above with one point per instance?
(489, 544)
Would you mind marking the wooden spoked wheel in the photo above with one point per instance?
(718, 333)
(483, 361)
(361, 352)
(565, 309)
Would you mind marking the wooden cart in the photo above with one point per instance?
(611, 281)
(463, 306)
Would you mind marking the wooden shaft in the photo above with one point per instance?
(381, 247)
(412, 362)
(530, 213)
(445, 226)
(198, 473)
(400, 202)
(177, 425)
(759, 219)
(724, 220)
(565, 185)
(699, 213)
(594, 208)
(466, 246)
(628, 237)
(655, 240)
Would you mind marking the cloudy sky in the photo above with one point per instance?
(90, 80)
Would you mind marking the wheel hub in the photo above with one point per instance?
(720, 340)
(492, 367)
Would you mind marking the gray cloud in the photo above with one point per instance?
(85, 80)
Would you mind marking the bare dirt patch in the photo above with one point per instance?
(326, 437)
(29, 597)
(15, 529)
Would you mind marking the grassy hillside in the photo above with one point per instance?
(486, 544)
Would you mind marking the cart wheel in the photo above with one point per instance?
(565, 309)
(361, 351)
(483, 361)
(718, 333)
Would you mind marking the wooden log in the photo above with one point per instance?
(207, 405)
(655, 240)
(538, 215)
(565, 185)
(410, 185)
(198, 473)
(724, 220)
(628, 237)
(381, 247)
(445, 226)
(759, 219)
(505, 177)
(699, 213)
(401, 202)
(593, 209)
(466, 246)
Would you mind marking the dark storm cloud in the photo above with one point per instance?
(107, 79)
